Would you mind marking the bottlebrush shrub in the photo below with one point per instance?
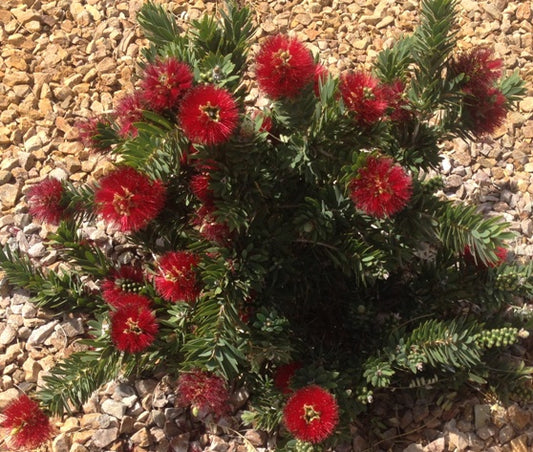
(302, 250)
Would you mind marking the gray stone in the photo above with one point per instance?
(180, 443)
(485, 432)
(256, 438)
(72, 327)
(5, 177)
(482, 415)
(142, 438)
(113, 408)
(438, 445)
(105, 436)
(123, 390)
(414, 448)
(126, 425)
(506, 434)
(518, 417)
(158, 418)
(61, 443)
(145, 387)
(239, 398)
(39, 335)
(526, 227)
(20, 297)
(457, 439)
(218, 444)
(26, 160)
(106, 421)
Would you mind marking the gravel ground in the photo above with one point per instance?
(62, 60)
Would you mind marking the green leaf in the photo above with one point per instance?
(158, 25)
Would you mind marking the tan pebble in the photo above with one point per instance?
(33, 26)
(526, 104)
(523, 12)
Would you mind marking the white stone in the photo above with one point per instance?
(8, 335)
(37, 250)
(39, 335)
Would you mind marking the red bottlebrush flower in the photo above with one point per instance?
(28, 426)
(396, 102)
(177, 280)
(501, 254)
(265, 120)
(208, 115)
(320, 76)
(485, 109)
(165, 82)
(204, 392)
(126, 280)
(44, 200)
(130, 299)
(381, 188)
(283, 376)
(129, 111)
(478, 67)
(311, 414)
(129, 198)
(283, 67)
(501, 257)
(89, 133)
(363, 95)
(199, 185)
(209, 226)
(133, 325)
(186, 156)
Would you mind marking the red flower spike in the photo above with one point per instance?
(128, 299)
(485, 109)
(266, 120)
(501, 257)
(381, 188)
(28, 426)
(478, 66)
(396, 101)
(363, 95)
(129, 111)
(311, 414)
(208, 115)
(134, 325)
(124, 281)
(204, 392)
(44, 200)
(88, 133)
(177, 279)
(284, 66)
(199, 185)
(283, 376)
(165, 82)
(209, 228)
(501, 254)
(129, 198)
